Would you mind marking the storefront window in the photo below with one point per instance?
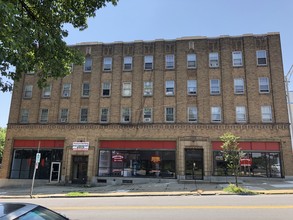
(137, 163)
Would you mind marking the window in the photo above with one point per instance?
(148, 62)
(83, 115)
(170, 89)
(106, 89)
(44, 115)
(215, 86)
(169, 114)
(237, 58)
(214, 59)
(240, 114)
(85, 90)
(191, 87)
(216, 114)
(169, 61)
(64, 115)
(126, 89)
(263, 83)
(125, 115)
(104, 115)
(191, 61)
(261, 56)
(28, 91)
(147, 115)
(24, 116)
(88, 64)
(192, 114)
(148, 88)
(238, 86)
(66, 90)
(127, 64)
(266, 113)
(107, 66)
(46, 91)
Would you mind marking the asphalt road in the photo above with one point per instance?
(221, 207)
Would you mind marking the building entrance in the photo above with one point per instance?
(194, 164)
(79, 169)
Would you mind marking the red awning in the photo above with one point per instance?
(35, 143)
(123, 144)
(251, 146)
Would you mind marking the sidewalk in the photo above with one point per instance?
(148, 189)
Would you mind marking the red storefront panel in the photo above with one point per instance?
(255, 146)
(36, 143)
(123, 144)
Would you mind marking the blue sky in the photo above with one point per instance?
(170, 19)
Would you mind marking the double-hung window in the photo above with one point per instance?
(46, 91)
(28, 91)
(83, 115)
(238, 85)
(125, 115)
(240, 114)
(104, 115)
(44, 115)
(215, 87)
(64, 115)
(85, 89)
(266, 113)
(107, 65)
(88, 64)
(148, 88)
(126, 89)
(170, 87)
(191, 87)
(191, 61)
(66, 90)
(214, 59)
(170, 61)
(261, 57)
(106, 89)
(148, 62)
(127, 63)
(237, 58)
(147, 115)
(169, 114)
(192, 114)
(24, 116)
(264, 84)
(216, 114)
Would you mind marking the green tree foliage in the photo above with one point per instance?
(232, 153)
(2, 141)
(32, 36)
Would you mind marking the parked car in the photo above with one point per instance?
(27, 211)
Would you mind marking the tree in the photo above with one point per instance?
(2, 142)
(32, 36)
(232, 153)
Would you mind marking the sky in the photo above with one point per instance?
(147, 20)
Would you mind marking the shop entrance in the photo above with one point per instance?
(55, 172)
(194, 164)
(79, 169)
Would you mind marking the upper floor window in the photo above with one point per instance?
(24, 116)
(85, 90)
(83, 115)
(127, 63)
(148, 62)
(169, 61)
(106, 89)
(214, 59)
(191, 60)
(169, 114)
(147, 115)
(264, 85)
(64, 115)
(46, 93)
(261, 56)
(104, 115)
(107, 65)
(66, 90)
(237, 58)
(125, 115)
(266, 114)
(191, 87)
(216, 114)
(192, 114)
(148, 88)
(126, 89)
(28, 91)
(88, 64)
(240, 114)
(215, 87)
(170, 87)
(238, 86)
(44, 115)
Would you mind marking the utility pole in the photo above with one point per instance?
(287, 81)
(38, 157)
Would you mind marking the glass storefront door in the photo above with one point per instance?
(194, 164)
(79, 169)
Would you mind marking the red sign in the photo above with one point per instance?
(117, 158)
(246, 162)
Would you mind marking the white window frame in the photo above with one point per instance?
(241, 114)
(148, 62)
(85, 89)
(66, 90)
(192, 114)
(125, 115)
(24, 114)
(238, 86)
(170, 61)
(261, 57)
(216, 114)
(264, 84)
(170, 87)
(266, 114)
(44, 115)
(213, 59)
(191, 60)
(237, 59)
(126, 89)
(191, 87)
(83, 117)
(169, 114)
(148, 88)
(147, 115)
(106, 88)
(104, 115)
(88, 64)
(215, 88)
(63, 115)
(127, 63)
(107, 64)
(46, 93)
(28, 91)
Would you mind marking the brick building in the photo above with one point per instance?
(154, 109)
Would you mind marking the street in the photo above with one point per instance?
(172, 207)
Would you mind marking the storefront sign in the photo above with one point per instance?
(156, 159)
(117, 158)
(80, 145)
(246, 162)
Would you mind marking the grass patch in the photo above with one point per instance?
(76, 194)
(232, 188)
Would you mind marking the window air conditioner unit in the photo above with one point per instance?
(66, 94)
(63, 120)
(213, 64)
(147, 120)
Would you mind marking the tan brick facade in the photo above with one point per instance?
(198, 135)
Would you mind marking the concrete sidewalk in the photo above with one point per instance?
(172, 188)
